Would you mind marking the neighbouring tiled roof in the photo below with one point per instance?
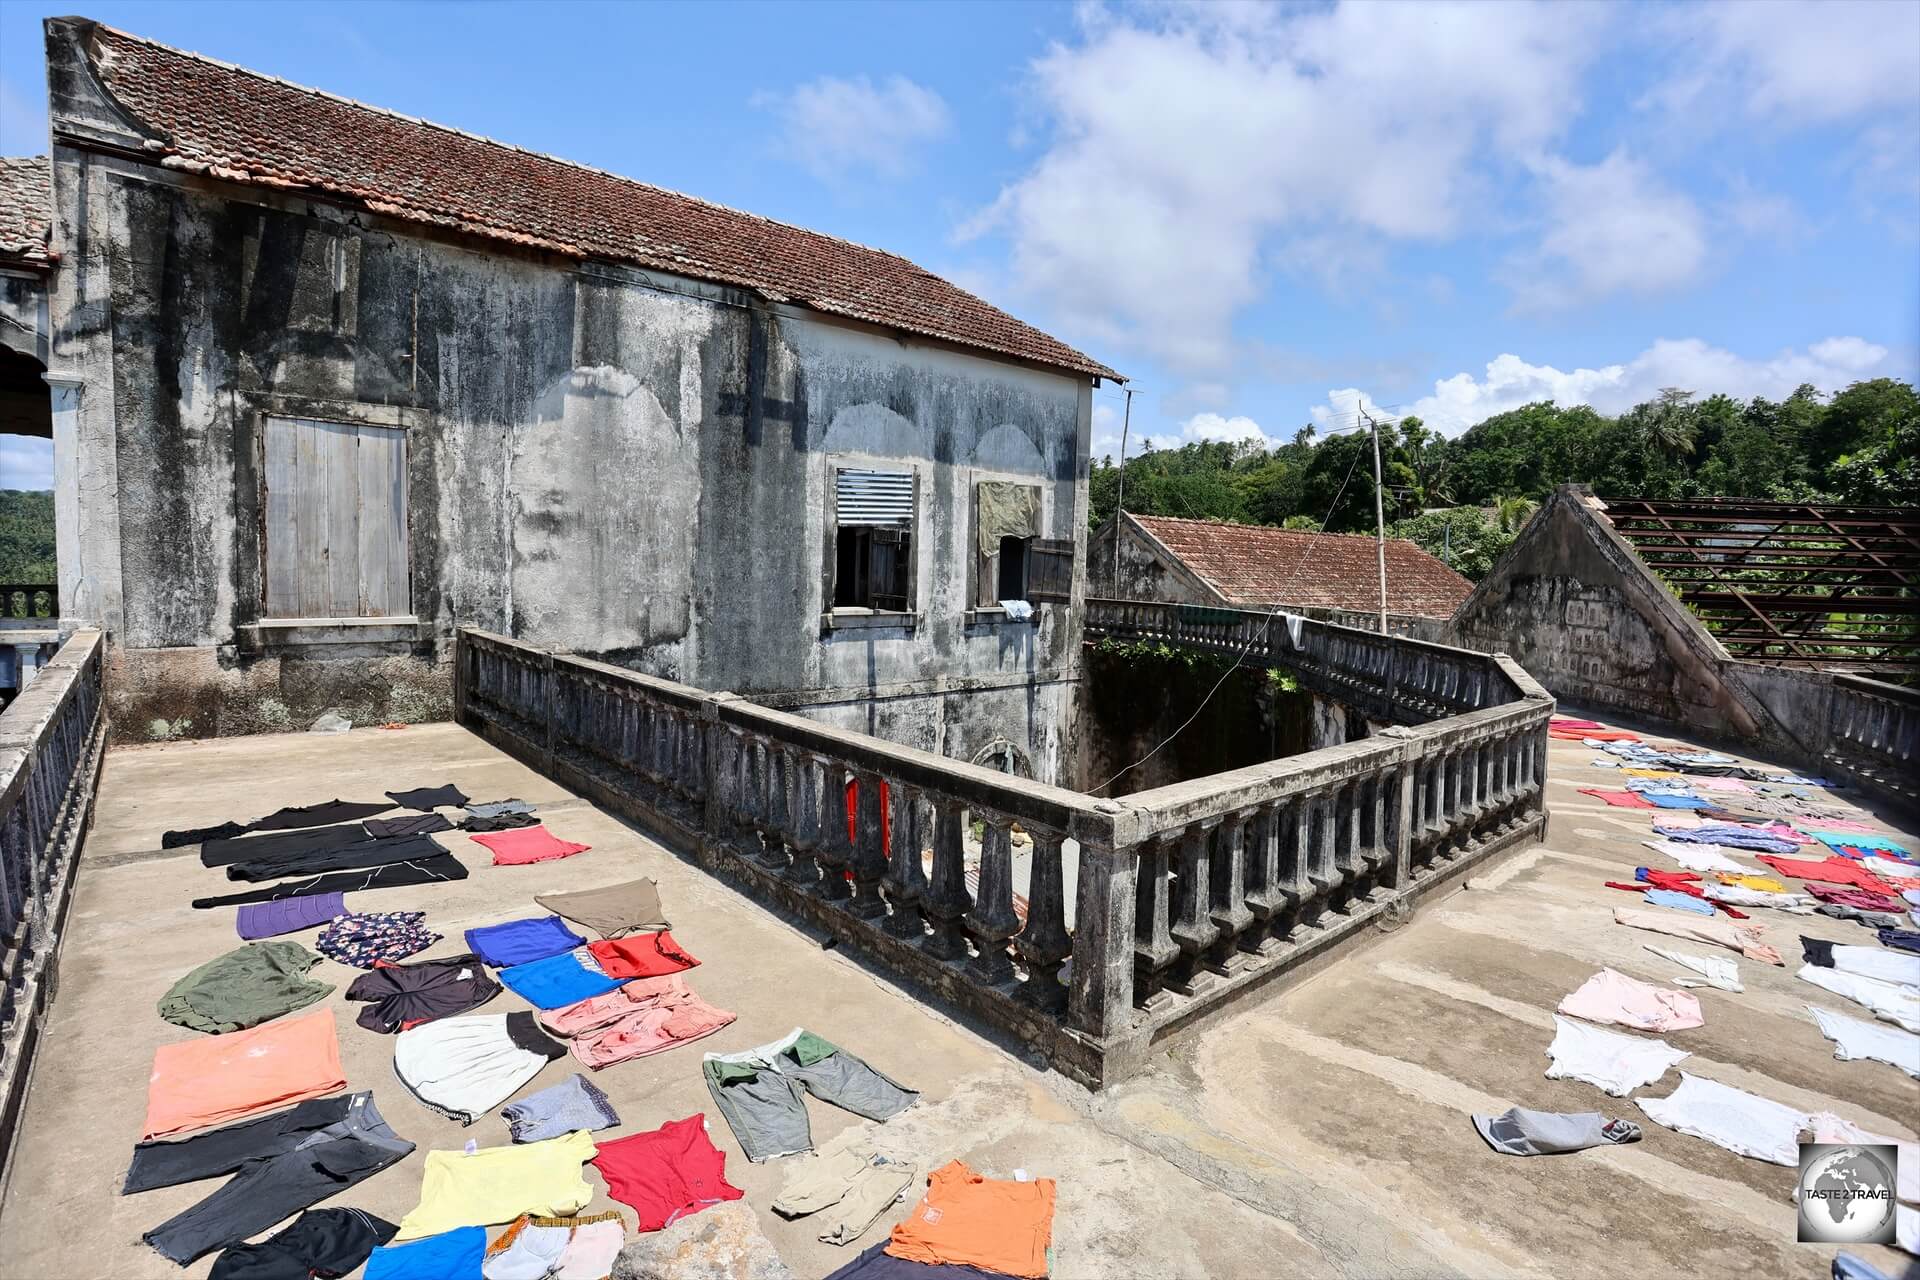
(244, 126)
(26, 209)
(1254, 564)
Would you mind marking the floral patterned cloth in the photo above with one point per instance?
(362, 939)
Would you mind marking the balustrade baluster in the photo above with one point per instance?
(992, 920)
(906, 878)
(1229, 909)
(804, 870)
(777, 825)
(1044, 944)
(868, 857)
(946, 901)
(1153, 945)
(1193, 929)
(835, 851)
(1318, 820)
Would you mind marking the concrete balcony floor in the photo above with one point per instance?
(1322, 1131)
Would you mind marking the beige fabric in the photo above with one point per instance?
(1006, 510)
(853, 1185)
(1749, 940)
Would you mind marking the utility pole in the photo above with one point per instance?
(1379, 517)
(1120, 498)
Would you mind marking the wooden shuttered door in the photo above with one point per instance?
(1050, 569)
(335, 495)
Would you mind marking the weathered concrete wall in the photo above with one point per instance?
(1143, 572)
(626, 465)
(23, 313)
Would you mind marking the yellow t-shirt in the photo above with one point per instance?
(498, 1184)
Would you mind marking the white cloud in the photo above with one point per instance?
(1463, 400)
(1794, 61)
(1175, 153)
(1612, 228)
(26, 462)
(1212, 426)
(839, 127)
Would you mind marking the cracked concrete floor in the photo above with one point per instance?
(1322, 1132)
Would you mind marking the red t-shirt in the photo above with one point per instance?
(666, 1174)
(641, 955)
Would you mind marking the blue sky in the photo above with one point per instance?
(1265, 215)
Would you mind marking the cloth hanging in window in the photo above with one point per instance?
(1006, 510)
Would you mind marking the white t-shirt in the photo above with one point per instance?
(1859, 1039)
(1889, 1001)
(1742, 1122)
(1617, 1064)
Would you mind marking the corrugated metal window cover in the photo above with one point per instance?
(880, 498)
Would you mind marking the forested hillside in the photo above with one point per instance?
(1861, 447)
(26, 536)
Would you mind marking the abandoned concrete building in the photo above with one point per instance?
(761, 558)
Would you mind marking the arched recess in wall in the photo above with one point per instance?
(29, 580)
(877, 430)
(1002, 755)
(1007, 448)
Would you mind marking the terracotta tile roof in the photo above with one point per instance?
(26, 209)
(1255, 564)
(244, 126)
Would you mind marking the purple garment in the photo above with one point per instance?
(1733, 837)
(288, 915)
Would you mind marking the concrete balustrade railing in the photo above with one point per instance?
(1394, 679)
(51, 739)
(1181, 896)
(1873, 734)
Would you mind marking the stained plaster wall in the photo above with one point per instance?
(1142, 571)
(621, 464)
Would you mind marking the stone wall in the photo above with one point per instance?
(619, 463)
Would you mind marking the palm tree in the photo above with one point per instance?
(1512, 513)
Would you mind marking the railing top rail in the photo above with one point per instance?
(25, 722)
(1906, 695)
(1180, 804)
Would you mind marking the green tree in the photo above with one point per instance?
(1462, 537)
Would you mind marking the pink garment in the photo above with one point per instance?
(1619, 799)
(1811, 825)
(669, 1019)
(1615, 998)
(598, 1011)
(527, 844)
(1733, 785)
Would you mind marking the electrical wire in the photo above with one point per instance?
(1265, 627)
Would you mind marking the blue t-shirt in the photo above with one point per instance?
(559, 980)
(451, 1255)
(522, 941)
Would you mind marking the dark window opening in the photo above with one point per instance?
(871, 568)
(1012, 584)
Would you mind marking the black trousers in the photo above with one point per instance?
(321, 1242)
(361, 853)
(221, 853)
(442, 866)
(280, 1165)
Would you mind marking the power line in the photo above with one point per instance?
(1265, 627)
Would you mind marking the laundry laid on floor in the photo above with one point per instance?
(498, 1184)
(1900, 939)
(761, 1091)
(644, 1017)
(1898, 875)
(1759, 884)
(1868, 962)
(245, 987)
(288, 915)
(500, 822)
(1668, 800)
(1744, 1123)
(554, 1112)
(522, 941)
(666, 1173)
(1611, 997)
(848, 1188)
(1827, 1127)
(1864, 841)
(200, 835)
(316, 815)
(464, 1067)
(1889, 1001)
(1618, 799)
(1748, 939)
(1520, 1132)
(284, 844)
(320, 1242)
(1698, 857)
(529, 844)
(613, 911)
(568, 978)
(362, 853)
(215, 1080)
(1679, 901)
(448, 796)
(407, 825)
(408, 995)
(1733, 895)
(364, 939)
(495, 808)
(1869, 1040)
(1004, 1226)
(535, 1248)
(280, 1165)
(396, 875)
(875, 1263)
(1727, 835)
(1882, 920)
(1831, 870)
(641, 955)
(1712, 971)
(1861, 898)
(451, 1255)
(1612, 1062)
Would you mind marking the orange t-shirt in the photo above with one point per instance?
(216, 1079)
(983, 1222)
